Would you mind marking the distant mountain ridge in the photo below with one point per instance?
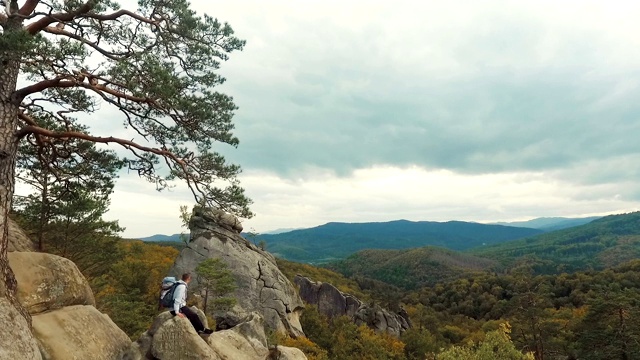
(550, 223)
(338, 240)
(605, 242)
(162, 238)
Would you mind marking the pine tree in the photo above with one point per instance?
(155, 65)
(216, 281)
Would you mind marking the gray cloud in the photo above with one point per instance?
(531, 107)
(497, 91)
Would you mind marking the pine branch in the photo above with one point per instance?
(28, 7)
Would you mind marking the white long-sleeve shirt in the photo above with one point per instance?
(179, 296)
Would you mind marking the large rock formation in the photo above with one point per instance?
(17, 341)
(48, 282)
(261, 286)
(79, 332)
(66, 325)
(174, 338)
(333, 302)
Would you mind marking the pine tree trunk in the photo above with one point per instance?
(9, 69)
(44, 211)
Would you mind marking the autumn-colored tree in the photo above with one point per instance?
(419, 343)
(496, 345)
(316, 326)
(308, 347)
(129, 291)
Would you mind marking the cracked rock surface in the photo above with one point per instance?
(333, 303)
(261, 285)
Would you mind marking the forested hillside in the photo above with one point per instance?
(338, 240)
(592, 315)
(411, 269)
(603, 243)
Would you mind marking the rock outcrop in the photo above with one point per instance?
(66, 325)
(18, 240)
(48, 282)
(79, 332)
(332, 303)
(17, 341)
(262, 288)
(174, 338)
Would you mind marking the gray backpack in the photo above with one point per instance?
(167, 296)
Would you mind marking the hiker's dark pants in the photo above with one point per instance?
(192, 316)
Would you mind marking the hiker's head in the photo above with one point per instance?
(186, 277)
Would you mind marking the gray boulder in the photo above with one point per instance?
(174, 338)
(79, 332)
(17, 340)
(177, 339)
(261, 286)
(18, 240)
(48, 282)
(333, 303)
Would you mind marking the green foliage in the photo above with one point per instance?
(342, 339)
(611, 327)
(419, 343)
(496, 346)
(185, 218)
(157, 65)
(316, 327)
(590, 315)
(410, 269)
(130, 312)
(215, 279)
(15, 43)
(71, 183)
(353, 342)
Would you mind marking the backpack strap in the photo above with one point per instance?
(175, 286)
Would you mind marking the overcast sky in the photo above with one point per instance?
(360, 111)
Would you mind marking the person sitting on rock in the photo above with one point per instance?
(180, 305)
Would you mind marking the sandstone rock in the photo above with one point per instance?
(17, 341)
(215, 216)
(158, 321)
(166, 315)
(289, 353)
(332, 303)
(247, 340)
(18, 240)
(144, 345)
(79, 332)
(140, 349)
(176, 339)
(231, 345)
(261, 285)
(48, 282)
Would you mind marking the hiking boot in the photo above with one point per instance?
(207, 331)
